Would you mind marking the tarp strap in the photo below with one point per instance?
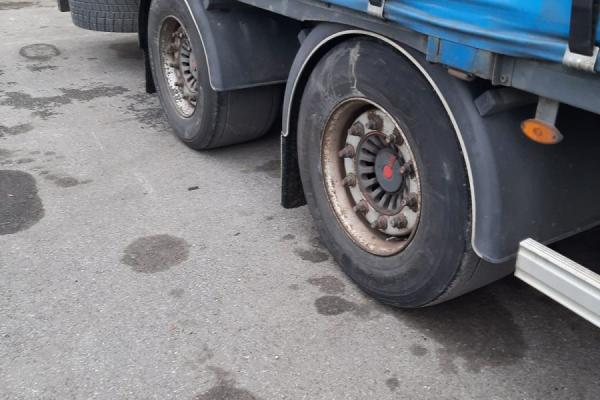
(582, 31)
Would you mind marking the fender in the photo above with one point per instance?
(518, 189)
(244, 46)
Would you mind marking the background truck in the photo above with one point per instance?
(435, 142)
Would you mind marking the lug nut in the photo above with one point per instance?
(399, 221)
(350, 180)
(380, 223)
(389, 139)
(375, 121)
(361, 207)
(347, 152)
(411, 201)
(357, 129)
(174, 65)
(406, 168)
(398, 137)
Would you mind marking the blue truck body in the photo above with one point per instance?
(537, 29)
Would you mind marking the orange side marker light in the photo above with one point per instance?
(541, 132)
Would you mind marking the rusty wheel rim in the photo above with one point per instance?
(371, 177)
(179, 66)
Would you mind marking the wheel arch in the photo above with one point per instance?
(245, 46)
(317, 43)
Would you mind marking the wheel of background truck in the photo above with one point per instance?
(105, 15)
(384, 177)
(200, 116)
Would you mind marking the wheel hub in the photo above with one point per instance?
(378, 201)
(387, 171)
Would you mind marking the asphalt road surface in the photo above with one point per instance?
(134, 268)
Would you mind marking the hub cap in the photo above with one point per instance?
(179, 65)
(371, 178)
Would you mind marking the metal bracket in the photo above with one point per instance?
(547, 110)
(375, 8)
(580, 61)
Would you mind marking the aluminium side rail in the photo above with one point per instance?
(560, 278)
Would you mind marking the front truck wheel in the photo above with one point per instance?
(384, 176)
(201, 117)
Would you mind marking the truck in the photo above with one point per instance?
(439, 145)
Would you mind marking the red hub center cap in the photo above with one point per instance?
(387, 172)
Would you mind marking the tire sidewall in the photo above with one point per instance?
(426, 267)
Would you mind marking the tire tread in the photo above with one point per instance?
(105, 15)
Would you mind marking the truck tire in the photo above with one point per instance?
(105, 15)
(384, 177)
(201, 117)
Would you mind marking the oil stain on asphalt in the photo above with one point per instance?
(392, 384)
(45, 107)
(147, 111)
(15, 5)
(328, 284)
(39, 51)
(65, 181)
(155, 253)
(312, 255)
(14, 130)
(127, 50)
(476, 328)
(20, 205)
(40, 68)
(225, 389)
(272, 168)
(336, 305)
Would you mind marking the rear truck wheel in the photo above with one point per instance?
(384, 176)
(200, 116)
(104, 15)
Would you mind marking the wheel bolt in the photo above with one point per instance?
(380, 223)
(398, 137)
(361, 207)
(171, 48)
(406, 168)
(350, 180)
(411, 201)
(347, 152)
(375, 121)
(399, 221)
(357, 129)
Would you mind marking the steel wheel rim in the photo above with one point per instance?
(371, 177)
(179, 66)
